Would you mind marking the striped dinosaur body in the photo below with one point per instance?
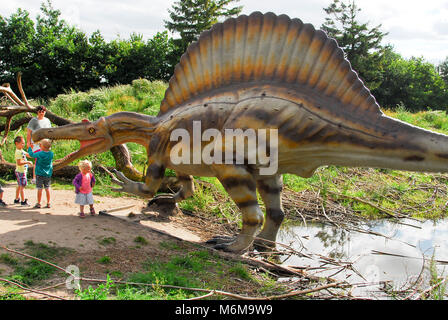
(262, 72)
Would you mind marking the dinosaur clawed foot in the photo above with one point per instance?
(223, 243)
(262, 245)
(164, 204)
(237, 244)
(220, 240)
(162, 200)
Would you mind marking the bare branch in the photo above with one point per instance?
(6, 89)
(7, 127)
(22, 93)
(31, 290)
(21, 106)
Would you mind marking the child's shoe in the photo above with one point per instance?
(24, 202)
(37, 206)
(2, 203)
(16, 201)
(92, 211)
(82, 215)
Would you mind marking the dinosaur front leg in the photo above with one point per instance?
(270, 191)
(241, 187)
(153, 179)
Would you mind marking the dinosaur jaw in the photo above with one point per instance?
(87, 147)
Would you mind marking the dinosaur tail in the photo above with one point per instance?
(266, 48)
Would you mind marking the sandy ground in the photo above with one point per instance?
(60, 225)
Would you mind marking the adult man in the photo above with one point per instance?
(36, 123)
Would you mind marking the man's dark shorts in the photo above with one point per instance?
(43, 182)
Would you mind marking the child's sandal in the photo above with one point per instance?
(82, 215)
(48, 206)
(92, 211)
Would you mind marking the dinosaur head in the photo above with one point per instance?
(100, 135)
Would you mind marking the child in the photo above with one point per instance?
(84, 183)
(2, 203)
(36, 123)
(21, 170)
(44, 170)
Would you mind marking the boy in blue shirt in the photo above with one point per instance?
(44, 170)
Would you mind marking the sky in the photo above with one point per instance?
(415, 28)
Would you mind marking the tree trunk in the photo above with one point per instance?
(123, 162)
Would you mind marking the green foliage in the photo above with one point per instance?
(437, 281)
(48, 50)
(443, 70)
(362, 46)
(190, 17)
(413, 82)
(101, 292)
(392, 79)
(54, 56)
(134, 58)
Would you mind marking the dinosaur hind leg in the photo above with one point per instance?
(270, 191)
(241, 187)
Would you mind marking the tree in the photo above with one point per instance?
(414, 82)
(443, 70)
(361, 45)
(55, 57)
(16, 45)
(190, 17)
(131, 59)
(44, 53)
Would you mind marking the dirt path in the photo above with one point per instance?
(61, 226)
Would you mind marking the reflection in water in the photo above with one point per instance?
(408, 244)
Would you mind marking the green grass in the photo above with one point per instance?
(140, 240)
(30, 271)
(104, 260)
(195, 269)
(107, 241)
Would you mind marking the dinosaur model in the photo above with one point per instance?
(262, 71)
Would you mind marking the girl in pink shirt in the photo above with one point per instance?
(84, 183)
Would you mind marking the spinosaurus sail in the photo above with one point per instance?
(262, 72)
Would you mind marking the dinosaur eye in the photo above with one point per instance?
(92, 131)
